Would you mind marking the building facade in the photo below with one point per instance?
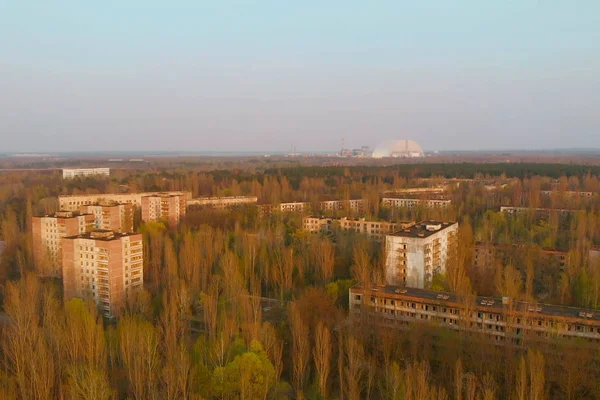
(567, 194)
(415, 254)
(104, 266)
(163, 207)
(355, 206)
(543, 213)
(74, 202)
(47, 233)
(394, 202)
(70, 173)
(222, 202)
(486, 255)
(112, 216)
(374, 229)
(501, 319)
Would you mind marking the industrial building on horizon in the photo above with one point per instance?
(70, 173)
(404, 148)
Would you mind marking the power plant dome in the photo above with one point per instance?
(398, 148)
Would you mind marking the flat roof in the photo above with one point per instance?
(490, 302)
(420, 229)
(357, 219)
(115, 235)
(72, 214)
(443, 200)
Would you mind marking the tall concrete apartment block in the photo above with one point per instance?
(47, 232)
(416, 254)
(163, 207)
(110, 215)
(104, 266)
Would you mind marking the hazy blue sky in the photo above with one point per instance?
(265, 75)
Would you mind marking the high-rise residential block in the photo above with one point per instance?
(163, 207)
(104, 266)
(110, 215)
(415, 254)
(47, 232)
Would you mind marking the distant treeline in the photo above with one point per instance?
(449, 170)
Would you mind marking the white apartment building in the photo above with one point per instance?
(415, 254)
(413, 203)
(70, 173)
(294, 207)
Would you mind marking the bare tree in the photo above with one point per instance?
(300, 348)
(322, 357)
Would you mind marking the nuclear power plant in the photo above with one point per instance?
(398, 148)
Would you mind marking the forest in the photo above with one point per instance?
(239, 306)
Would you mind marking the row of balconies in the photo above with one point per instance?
(498, 321)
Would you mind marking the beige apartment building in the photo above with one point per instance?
(70, 173)
(47, 233)
(567, 193)
(220, 203)
(356, 205)
(501, 319)
(417, 253)
(74, 202)
(163, 207)
(112, 216)
(414, 203)
(376, 230)
(104, 266)
(487, 255)
(539, 212)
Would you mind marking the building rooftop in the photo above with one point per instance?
(224, 198)
(492, 303)
(63, 214)
(108, 203)
(102, 234)
(358, 219)
(423, 229)
(165, 195)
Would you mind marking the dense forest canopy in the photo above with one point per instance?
(243, 306)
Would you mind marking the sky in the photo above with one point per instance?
(268, 75)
